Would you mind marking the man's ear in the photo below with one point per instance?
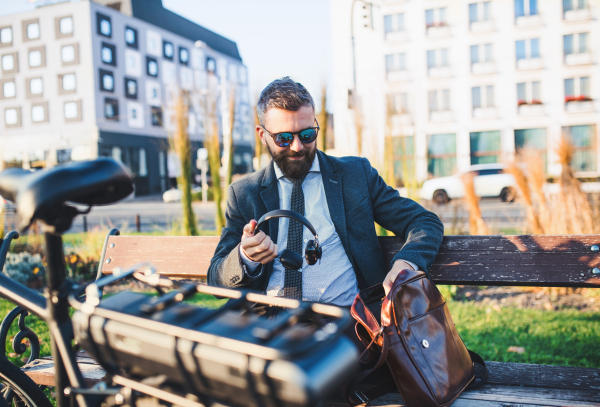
(261, 134)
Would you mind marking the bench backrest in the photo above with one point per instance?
(550, 261)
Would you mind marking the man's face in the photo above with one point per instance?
(296, 159)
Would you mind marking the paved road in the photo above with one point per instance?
(155, 214)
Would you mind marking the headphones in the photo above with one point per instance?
(289, 258)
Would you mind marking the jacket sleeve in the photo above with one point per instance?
(226, 268)
(421, 229)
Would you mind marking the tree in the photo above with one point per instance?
(322, 118)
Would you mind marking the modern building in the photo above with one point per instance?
(461, 82)
(88, 79)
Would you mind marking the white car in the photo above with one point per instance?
(490, 181)
(174, 194)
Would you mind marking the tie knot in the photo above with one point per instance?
(297, 181)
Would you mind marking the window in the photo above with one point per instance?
(439, 100)
(441, 155)
(577, 89)
(583, 139)
(404, 158)
(393, 23)
(481, 54)
(6, 36)
(576, 44)
(108, 54)
(151, 66)
(526, 8)
(9, 64)
(153, 93)
(211, 65)
(528, 49)
(435, 17)
(9, 89)
(168, 50)
(135, 115)
(571, 5)
(529, 93)
(35, 58)
(184, 56)
(131, 88)
(67, 53)
(133, 63)
(482, 96)
(131, 37)
(71, 110)
(437, 58)
(532, 141)
(479, 12)
(485, 147)
(12, 117)
(156, 116)
(398, 103)
(65, 25)
(39, 112)
(169, 73)
(104, 25)
(111, 109)
(33, 31)
(395, 62)
(153, 41)
(107, 81)
(36, 87)
(68, 83)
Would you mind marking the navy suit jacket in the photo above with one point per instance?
(357, 198)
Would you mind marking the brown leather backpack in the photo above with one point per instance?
(416, 337)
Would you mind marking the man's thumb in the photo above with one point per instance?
(249, 228)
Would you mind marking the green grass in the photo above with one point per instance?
(568, 338)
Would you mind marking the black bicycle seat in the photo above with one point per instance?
(41, 194)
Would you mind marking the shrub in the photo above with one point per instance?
(24, 267)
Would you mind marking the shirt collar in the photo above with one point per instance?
(314, 168)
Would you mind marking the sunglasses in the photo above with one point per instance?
(286, 138)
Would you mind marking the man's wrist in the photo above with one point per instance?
(412, 265)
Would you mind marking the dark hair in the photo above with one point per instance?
(284, 93)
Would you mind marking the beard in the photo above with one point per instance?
(294, 169)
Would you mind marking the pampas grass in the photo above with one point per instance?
(533, 219)
(477, 225)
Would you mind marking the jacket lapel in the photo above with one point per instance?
(270, 197)
(332, 183)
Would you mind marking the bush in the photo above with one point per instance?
(198, 195)
(24, 267)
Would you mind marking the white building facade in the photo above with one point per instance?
(469, 82)
(82, 80)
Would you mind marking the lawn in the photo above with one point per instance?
(565, 337)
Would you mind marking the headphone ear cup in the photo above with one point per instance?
(313, 252)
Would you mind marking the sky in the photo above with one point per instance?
(275, 38)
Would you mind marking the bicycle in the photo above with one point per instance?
(301, 338)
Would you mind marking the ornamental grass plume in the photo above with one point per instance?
(213, 146)
(533, 219)
(572, 212)
(477, 225)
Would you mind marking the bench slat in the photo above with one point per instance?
(549, 261)
(42, 372)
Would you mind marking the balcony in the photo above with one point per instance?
(534, 108)
(485, 113)
(397, 76)
(438, 30)
(397, 36)
(584, 58)
(529, 21)
(483, 68)
(579, 104)
(482, 26)
(578, 15)
(441, 116)
(401, 119)
(440, 72)
(529, 63)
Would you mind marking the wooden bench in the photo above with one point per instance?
(546, 261)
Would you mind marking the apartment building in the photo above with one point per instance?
(89, 79)
(465, 82)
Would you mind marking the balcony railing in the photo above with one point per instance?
(529, 21)
(438, 30)
(440, 72)
(584, 58)
(398, 76)
(482, 26)
(441, 116)
(529, 63)
(396, 36)
(578, 15)
(483, 68)
(579, 104)
(533, 108)
(485, 112)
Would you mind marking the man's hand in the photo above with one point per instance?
(398, 266)
(258, 248)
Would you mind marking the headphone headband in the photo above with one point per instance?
(282, 213)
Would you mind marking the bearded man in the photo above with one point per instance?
(343, 198)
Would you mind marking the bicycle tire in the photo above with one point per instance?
(26, 391)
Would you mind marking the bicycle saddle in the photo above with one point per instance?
(42, 194)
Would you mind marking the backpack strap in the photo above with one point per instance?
(478, 381)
